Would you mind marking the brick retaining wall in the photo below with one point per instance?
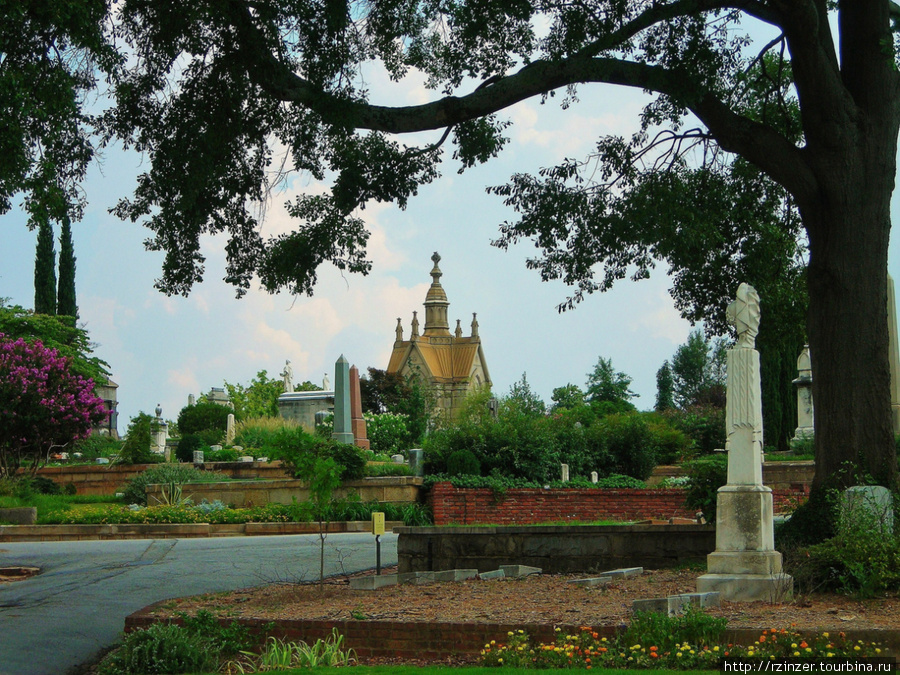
(470, 506)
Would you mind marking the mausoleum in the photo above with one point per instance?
(449, 363)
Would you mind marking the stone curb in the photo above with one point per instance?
(26, 533)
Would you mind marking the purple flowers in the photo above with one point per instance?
(42, 404)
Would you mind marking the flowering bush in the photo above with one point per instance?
(386, 432)
(43, 405)
(587, 649)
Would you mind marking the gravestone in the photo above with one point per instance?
(864, 507)
(198, 456)
(343, 429)
(594, 477)
(357, 422)
(745, 566)
(417, 461)
(564, 473)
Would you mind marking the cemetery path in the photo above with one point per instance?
(77, 606)
(539, 599)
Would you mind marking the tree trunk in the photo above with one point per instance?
(848, 232)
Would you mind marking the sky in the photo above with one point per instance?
(161, 349)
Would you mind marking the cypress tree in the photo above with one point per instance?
(65, 297)
(45, 271)
(664, 388)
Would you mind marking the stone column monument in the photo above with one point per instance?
(745, 565)
(805, 415)
(894, 349)
(357, 421)
(343, 429)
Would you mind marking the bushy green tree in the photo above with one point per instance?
(606, 385)
(698, 372)
(200, 417)
(569, 396)
(138, 439)
(258, 399)
(665, 398)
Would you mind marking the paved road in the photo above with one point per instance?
(61, 618)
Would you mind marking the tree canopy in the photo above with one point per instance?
(211, 88)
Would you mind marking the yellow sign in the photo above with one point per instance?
(378, 523)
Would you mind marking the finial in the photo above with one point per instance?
(415, 326)
(399, 330)
(474, 324)
(458, 331)
(436, 258)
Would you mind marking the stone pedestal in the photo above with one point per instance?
(745, 566)
(805, 415)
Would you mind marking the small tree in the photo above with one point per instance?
(323, 475)
(664, 388)
(43, 405)
(258, 399)
(138, 439)
(567, 397)
(604, 384)
(202, 417)
(66, 303)
(698, 371)
(45, 271)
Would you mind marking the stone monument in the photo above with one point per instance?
(745, 566)
(343, 429)
(805, 414)
(288, 375)
(357, 421)
(229, 429)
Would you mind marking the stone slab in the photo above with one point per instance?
(748, 587)
(416, 577)
(708, 599)
(624, 573)
(515, 571)
(495, 574)
(373, 582)
(660, 605)
(455, 575)
(591, 581)
(19, 515)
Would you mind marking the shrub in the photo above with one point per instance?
(463, 462)
(161, 648)
(293, 446)
(260, 433)
(95, 446)
(704, 425)
(203, 417)
(670, 444)
(186, 447)
(629, 443)
(705, 476)
(134, 491)
(136, 448)
(223, 455)
(387, 433)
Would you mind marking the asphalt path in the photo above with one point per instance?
(61, 618)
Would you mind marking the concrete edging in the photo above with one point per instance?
(25, 533)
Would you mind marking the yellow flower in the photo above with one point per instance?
(678, 654)
(856, 648)
(510, 633)
(793, 645)
(825, 635)
(829, 654)
(716, 648)
(796, 653)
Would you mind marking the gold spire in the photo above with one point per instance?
(436, 303)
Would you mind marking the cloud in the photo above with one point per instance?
(662, 320)
(185, 378)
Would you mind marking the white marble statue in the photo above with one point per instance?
(288, 375)
(326, 383)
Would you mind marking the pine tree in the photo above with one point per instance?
(45, 271)
(65, 297)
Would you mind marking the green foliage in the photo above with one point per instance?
(463, 462)
(666, 632)
(134, 491)
(138, 437)
(387, 433)
(523, 400)
(665, 396)
(187, 444)
(705, 476)
(280, 654)
(503, 483)
(670, 445)
(45, 271)
(261, 434)
(56, 332)
(201, 416)
(161, 648)
(569, 396)
(258, 399)
(703, 425)
(299, 451)
(630, 445)
(66, 304)
(223, 455)
(390, 469)
(96, 445)
(605, 384)
(698, 372)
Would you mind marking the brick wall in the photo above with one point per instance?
(468, 506)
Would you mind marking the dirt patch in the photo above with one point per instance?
(537, 599)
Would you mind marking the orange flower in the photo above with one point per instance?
(762, 638)
(803, 645)
(653, 648)
(654, 655)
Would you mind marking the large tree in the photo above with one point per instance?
(66, 304)
(45, 271)
(212, 84)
